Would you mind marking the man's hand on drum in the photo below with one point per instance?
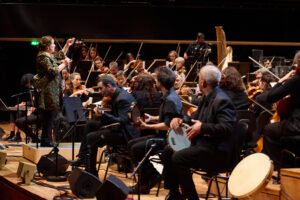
(175, 123)
(194, 130)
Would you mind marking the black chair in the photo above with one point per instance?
(290, 154)
(213, 176)
(118, 152)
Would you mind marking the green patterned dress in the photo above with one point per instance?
(47, 71)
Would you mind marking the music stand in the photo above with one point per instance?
(73, 109)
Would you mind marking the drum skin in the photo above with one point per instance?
(177, 139)
(250, 176)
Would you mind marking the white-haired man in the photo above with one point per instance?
(211, 131)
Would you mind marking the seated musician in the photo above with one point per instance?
(93, 54)
(26, 81)
(129, 66)
(260, 95)
(83, 53)
(77, 90)
(232, 84)
(99, 65)
(171, 57)
(170, 107)
(211, 131)
(113, 68)
(65, 75)
(121, 134)
(121, 79)
(180, 67)
(258, 75)
(178, 83)
(289, 124)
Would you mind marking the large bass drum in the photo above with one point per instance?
(177, 139)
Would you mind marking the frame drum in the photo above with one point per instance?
(250, 176)
(177, 139)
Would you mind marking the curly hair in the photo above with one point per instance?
(231, 80)
(146, 83)
(44, 42)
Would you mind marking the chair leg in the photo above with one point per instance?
(108, 163)
(208, 189)
(100, 162)
(158, 187)
(218, 189)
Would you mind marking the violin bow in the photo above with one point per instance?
(119, 56)
(261, 66)
(132, 71)
(138, 53)
(264, 108)
(106, 53)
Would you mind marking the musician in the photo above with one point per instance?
(77, 90)
(211, 131)
(198, 50)
(178, 83)
(258, 75)
(48, 82)
(232, 84)
(290, 124)
(93, 54)
(129, 66)
(120, 103)
(65, 75)
(261, 97)
(99, 65)
(171, 63)
(26, 81)
(83, 53)
(180, 69)
(113, 68)
(121, 79)
(170, 107)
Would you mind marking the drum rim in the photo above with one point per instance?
(185, 125)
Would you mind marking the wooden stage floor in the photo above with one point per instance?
(9, 177)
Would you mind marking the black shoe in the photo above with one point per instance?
(78, 163)
(16, 138)
(143, 189)
(46, 144)
(11, 135)
(154, 181)
(171, 196)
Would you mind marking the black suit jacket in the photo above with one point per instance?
(218, 116)
(120, 104)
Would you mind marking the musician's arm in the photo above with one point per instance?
(281, 90)
(158, 126)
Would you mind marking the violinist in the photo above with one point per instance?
(83, 53)
(232, 84)
(93, 54)
(121, 79)
(290, 124)
(171, 63)
(260, 94)
(113, 68)
(180, 69)
(178, 83)
(119, 135)
(65, 75)
(77, 90)
(129, 66)
(258, 75)
(99, 65)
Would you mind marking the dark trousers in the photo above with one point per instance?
(95, 138)
(272, 134)
(138, 148)
(47, 125)
(177, 167)
(25, 127)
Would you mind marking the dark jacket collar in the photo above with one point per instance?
(116, 93)
(168, 93)
(211, 95)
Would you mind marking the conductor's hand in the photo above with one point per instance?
(70, 41)
(194, 130)
(175, 123)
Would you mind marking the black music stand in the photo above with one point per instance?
(73, 109)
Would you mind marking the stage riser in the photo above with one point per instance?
(290, 184)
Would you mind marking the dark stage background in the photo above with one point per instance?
(272, 22)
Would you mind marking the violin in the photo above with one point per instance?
(82, 89)
(181, 70)
(103, 69)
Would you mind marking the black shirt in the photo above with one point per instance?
(239, 99)
(197, 51)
